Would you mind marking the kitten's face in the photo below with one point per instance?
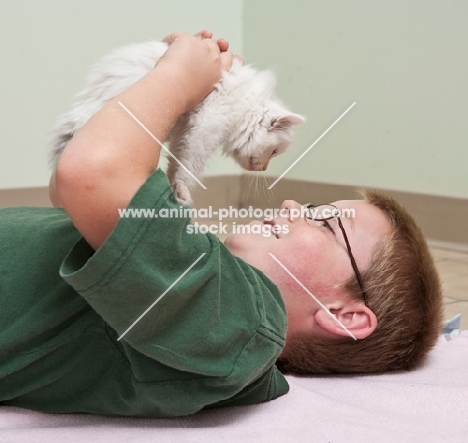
(263, 126)
(260, 161)
(268, 138)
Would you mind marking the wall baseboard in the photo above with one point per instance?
(442, 219)
(25, 197)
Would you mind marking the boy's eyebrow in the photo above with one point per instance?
(351, 219)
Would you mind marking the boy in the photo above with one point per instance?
(78, 342)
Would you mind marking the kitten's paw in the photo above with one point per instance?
(182, 193)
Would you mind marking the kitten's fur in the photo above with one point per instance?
(242, 115)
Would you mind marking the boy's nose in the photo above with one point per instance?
(291, 210)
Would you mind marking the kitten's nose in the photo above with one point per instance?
(258, 164)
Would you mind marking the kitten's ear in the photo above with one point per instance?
(287, 121)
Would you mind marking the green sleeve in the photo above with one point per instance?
(223, 320)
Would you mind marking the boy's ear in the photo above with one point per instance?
(356, 317)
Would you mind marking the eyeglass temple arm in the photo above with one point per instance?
(353, 262)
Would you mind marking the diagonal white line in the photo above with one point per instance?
(162, 146)
(313, 296)
(311, 146)
(161, 296)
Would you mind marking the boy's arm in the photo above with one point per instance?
(109, 159)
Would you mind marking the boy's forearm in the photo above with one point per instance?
(108, 160)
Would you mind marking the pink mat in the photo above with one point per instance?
(427, 405)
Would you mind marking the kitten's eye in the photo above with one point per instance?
(273, 122)
(273, 153)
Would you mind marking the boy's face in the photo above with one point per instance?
(314, 253)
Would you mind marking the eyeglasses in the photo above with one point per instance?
(327, 212)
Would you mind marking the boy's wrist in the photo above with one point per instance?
(169, 80)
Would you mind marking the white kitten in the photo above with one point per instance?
(242, 115)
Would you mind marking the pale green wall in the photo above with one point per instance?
(405, 64)
(47, 47)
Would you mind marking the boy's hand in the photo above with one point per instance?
(196, 64)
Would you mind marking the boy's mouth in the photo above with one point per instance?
(272, 223)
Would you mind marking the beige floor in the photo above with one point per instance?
(453, 268)
(452, 265)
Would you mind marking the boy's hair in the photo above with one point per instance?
(404, 292)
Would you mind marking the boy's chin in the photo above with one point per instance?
(232, 240)
(238, 243)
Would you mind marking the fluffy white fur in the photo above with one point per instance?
(242, 115)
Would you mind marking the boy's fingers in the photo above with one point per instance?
(204, 34)
(223, 44)
(212, 45)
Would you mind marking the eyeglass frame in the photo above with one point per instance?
(348, 246)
